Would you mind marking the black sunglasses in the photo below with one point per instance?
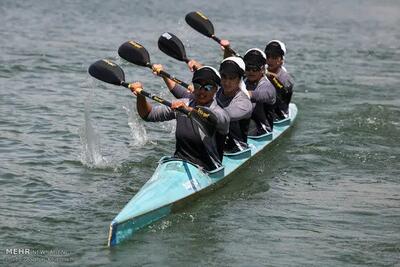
(207, 87)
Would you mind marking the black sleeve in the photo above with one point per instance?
(181, 92)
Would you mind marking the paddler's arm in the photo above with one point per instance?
(181, 92)
(194, 65)
(264, 93)
(286, 86)
(156, 70)
(176, 89)
(224, 45)
(143, 107)
(240, 107)
(146, 111)
(180, 104)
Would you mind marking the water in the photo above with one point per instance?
(73, 150)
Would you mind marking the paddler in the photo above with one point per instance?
(275, 51)
(232, 96)
(262, 92)
(234, 99)
(276, 73)
(191, 143)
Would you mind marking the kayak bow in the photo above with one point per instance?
(176, 182)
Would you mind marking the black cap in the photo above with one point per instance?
(254, 57)
(206, 74)
(230, 67)
(274, 48)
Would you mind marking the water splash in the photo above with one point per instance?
(91, 150)
(138, 132)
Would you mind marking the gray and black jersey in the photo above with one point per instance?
(263, 97)
(191, 142)
(239, 109)
(283, 94)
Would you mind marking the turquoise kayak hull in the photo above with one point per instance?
(176, 182)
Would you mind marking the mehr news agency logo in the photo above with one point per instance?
(37, 255)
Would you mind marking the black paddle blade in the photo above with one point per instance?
(135, 53)
(107, 71)
(200, 23)
(172, 46)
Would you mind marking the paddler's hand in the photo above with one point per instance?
(224, 44)
(190, 88)
(157, 68)
(177, 104)
(271, 74)
(194, 65)
(136, 87)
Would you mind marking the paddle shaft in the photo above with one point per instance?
(169, 76)
(156, 98)
(275, 81)
(109, 72)
(215, 38)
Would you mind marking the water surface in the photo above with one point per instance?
(73, 151)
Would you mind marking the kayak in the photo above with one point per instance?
(176, 182)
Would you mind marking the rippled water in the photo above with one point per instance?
(73, 150)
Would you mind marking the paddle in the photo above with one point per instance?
(109, 72)
(203, 25)
(135, 53)
(172, 46)
(274, 80)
